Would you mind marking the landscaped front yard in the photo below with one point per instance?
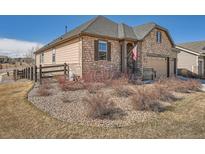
(19, 118)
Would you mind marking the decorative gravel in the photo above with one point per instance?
(69, 106)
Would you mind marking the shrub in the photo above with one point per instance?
(93, 87)
(147, 101)
(194, 85)
(46, 84)
(119, 81)
(72, 86)
(164, 93)
(187, 73)
(101, 107)
(123, 91)
(43, 91)
(61, 79)
(66, 99)
(174, 84)
(101, 76)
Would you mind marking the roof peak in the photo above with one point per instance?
(149, 23)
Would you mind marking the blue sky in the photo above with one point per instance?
(42, 29)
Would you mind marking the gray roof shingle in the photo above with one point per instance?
(106, 27)
(142, 30)
(198, 46)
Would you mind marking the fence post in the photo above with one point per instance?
(40, 74)
(29, 73)
(14, 75)
(26, 72)
(28, 69)
(35, 68)
(17, 74)
(64, 68)
(32, 73)
(20, 75)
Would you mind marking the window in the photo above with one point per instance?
(42, 58)
(102, 48)
(53, 55)
(159, 37)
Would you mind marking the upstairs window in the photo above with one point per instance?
(102, 48)
(42, 58)
(53, 55)
(159, 37)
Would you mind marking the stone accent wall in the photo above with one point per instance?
(150, 45)
(163, 49)
(88, 62)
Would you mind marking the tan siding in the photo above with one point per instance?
(37, 58)
(48, 57)
(188, 61)
(69, 52)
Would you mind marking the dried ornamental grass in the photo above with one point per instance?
(102, 107)
(146, 100)
(123, 91)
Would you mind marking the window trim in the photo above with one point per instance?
(159, 37)
(53, 54)
(42, 58)
(102, 51)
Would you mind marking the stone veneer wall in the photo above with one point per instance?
(88, 62)
(149, 45)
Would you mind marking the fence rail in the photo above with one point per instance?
(32, 73)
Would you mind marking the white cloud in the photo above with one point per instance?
(16, 48)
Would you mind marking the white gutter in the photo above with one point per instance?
(187, 50)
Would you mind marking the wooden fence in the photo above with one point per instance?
(35, 73)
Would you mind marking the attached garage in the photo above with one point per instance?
(158, 64)
(163, 67)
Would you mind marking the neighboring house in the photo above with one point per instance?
(24, 60)
(192, 57)
(101, 44)
(4, 59)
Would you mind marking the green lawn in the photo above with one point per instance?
(20, 119)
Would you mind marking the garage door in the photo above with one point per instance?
(158, 64)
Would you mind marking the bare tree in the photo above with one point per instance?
(30, 54)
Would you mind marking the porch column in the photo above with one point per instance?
(124, 57)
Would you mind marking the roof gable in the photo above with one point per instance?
(143, 30)
(102, 26)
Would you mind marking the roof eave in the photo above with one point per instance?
(187, 50)
(57, 43)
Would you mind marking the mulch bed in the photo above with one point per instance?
(69, 106)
